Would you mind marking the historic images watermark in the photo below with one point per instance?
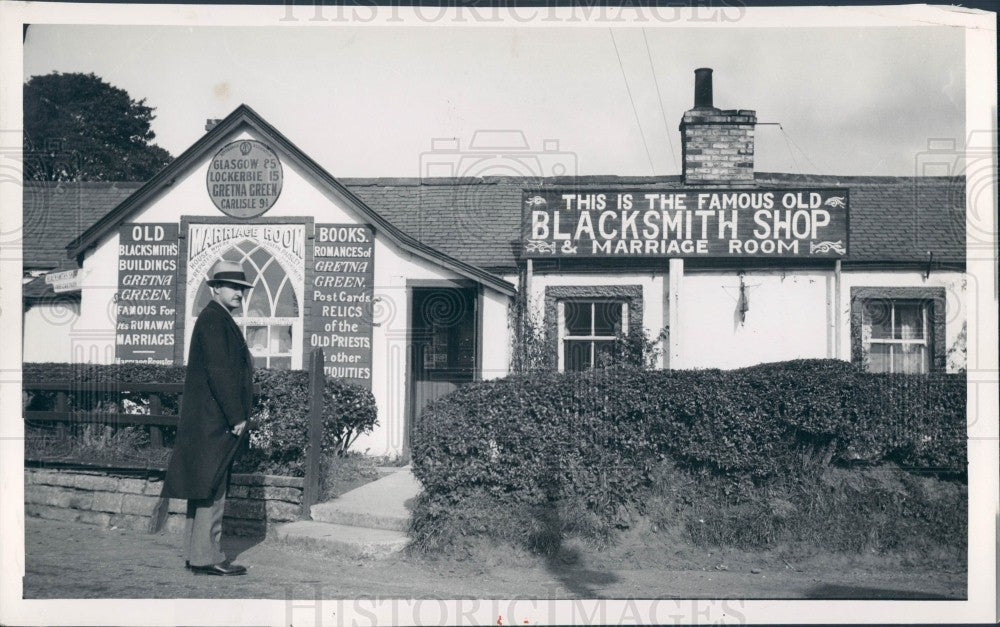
(474, 12)
(312, 603)
(972, 190)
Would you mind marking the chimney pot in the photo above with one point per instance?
(703, 88)
(211, 123)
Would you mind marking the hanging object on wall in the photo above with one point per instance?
(743, 302)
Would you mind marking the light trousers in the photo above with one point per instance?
(203, 529)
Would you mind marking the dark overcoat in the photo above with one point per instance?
(218, 395)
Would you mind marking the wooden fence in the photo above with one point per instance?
(62, 415)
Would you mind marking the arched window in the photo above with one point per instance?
(269, 314)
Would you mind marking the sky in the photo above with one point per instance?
(369, 102)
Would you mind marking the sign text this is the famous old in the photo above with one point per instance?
(686, 223)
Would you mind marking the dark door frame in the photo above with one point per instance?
(409, 409)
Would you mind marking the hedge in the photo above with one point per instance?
(279, 439)
(597, 435)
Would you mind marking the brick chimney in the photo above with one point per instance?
(211, 123)
(716, 144)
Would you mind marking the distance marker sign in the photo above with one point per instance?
(244, 179)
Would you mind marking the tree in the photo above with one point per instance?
(79, 128)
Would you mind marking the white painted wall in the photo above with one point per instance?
(495, 344)
(301, 195)
(791, 314)
(47, 331)
(787, 319)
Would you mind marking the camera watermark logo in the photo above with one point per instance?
(468, 187)
(971, 186)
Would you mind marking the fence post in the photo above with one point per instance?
(62, 406)
(155, 433)
(310, 489)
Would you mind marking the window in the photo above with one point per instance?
(588, 330)
(896, 336)
(898, 330)
(269, 315)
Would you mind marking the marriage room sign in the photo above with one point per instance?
(685, 223)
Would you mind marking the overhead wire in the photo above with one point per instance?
(635, 112)
(796, 144)
(659, 100)
(790, 152)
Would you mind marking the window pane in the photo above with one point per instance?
(604, 354)
(274, 274)
(577, 318)
(260, 257)
(607, 318)
(880, 358)
(576, 355)
(204, 295)
(257, 339)
(909, 321)
(246, 246)
(259, 304)
(260, 362)
(288, 305)
(283, 363)
(281, 339)
(909, 358)
(878, 314)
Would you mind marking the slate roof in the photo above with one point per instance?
(57, 213)
(477, 221)
(892, 219)
(54, 215)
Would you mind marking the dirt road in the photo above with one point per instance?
(71, 560)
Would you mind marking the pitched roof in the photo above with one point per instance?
(244, 115)
(477, 221)
(893, 219)
(57, 213)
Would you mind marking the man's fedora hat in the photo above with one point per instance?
(228, 272)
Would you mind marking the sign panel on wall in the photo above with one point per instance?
(342, 295)
(244, 178)
(147, 288)
(811, 223)
(271, 312)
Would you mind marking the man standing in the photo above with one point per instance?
(218, 396)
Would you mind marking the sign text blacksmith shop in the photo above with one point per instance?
(685, 223)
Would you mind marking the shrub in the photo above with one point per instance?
(595, 437)
(280, 415)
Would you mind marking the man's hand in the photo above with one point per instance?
(238, 429)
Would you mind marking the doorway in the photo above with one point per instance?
(444, 346)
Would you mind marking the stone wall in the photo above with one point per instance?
(254, 503)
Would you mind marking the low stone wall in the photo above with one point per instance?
(254, 503)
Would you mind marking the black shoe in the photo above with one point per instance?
(187, 565)
(222, 569)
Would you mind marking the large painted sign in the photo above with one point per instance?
(244, 178)
(811, 223)
(271, 313)
(342, 294)
(147, 289)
